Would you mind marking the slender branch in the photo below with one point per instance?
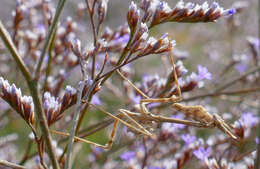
(48, 69)
(236, 92)
(11, 165)
(34, 92)
(257, 160)
(91, 14)
(232, 81)
(108, 74)
(26, 154)
(43, 122)
(74, 124)
(49, 37)
(14, 52)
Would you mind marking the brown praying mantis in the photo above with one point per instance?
(201, 117)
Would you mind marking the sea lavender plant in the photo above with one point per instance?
(74, 70)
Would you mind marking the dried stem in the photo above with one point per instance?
(91, 14)
(26, 154)
(257, 160)
(49, 37)
(48, 69)
(74, 125)
(232, 81)
(11, 165)
(14, 52)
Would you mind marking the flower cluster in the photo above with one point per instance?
(21, 104)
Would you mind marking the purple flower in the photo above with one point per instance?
(176, 125)
(37, 160)
(172, 127)
(249, 119)
(136, 99)
(97, 150)
(126, 156)
(152, 167)
(203, 73)
(188, 139)
(202, 153)
(241, 68)
(257, 140)
(121, 40)
(229, 12)
(232, 11)
(96, 100)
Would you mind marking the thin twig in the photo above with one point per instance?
(257, 160)
(91, 14)
(11, 165)
(74, 124)
(49, 37)
(232, 81)
(26, 154)
(235, 92)
(14, 52)
(48, 69)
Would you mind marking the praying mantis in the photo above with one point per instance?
(200, 116)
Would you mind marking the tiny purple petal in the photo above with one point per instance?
(202, 153)
(231, 11)
(188, 139)
(37, 160)
(249, 119)
(126, 156)
(136, 99)
(96, 100)
(203, 73)
(241, 68)
(152, 167)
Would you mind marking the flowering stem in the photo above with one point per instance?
(232, 81)
(34, 92)
(91, 14)
(26, 154)
(49, 37)
(48, 69)
(257, 160)
(107, 75)
(11, 165)
(74, 124)
(11, 47)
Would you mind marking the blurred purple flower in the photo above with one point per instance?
(172, 127)
(126, 156)
(96, 100)
(249, 119)
(135, 99)
(41, 29)
(121, 40)
(241, 68)
(152, 105)
(257, 140)
(188, 139)
(97, 150)
(152, 167)
(178, 116)
(37, 160)
(203, 73)
(202, 153)
(231, 11)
